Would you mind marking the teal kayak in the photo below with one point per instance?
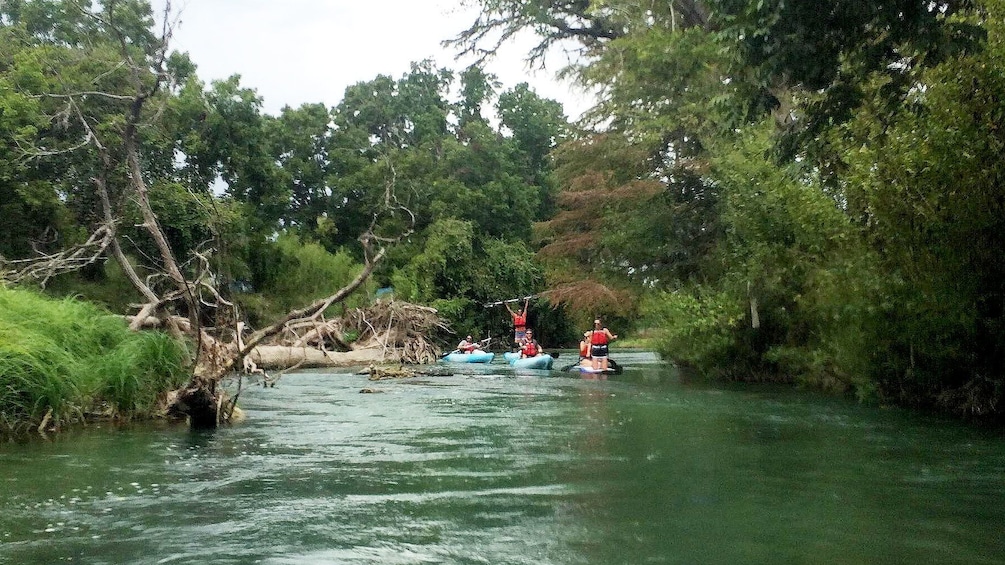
(543, 361)
(474, 357)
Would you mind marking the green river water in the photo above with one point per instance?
(492, 466)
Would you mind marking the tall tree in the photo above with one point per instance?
(300, 143)
(830, 52)
(103, 75)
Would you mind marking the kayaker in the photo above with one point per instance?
(599, 338)
(584, 351)
(584, 346)
(466, 345)
(519, 322)
(530, 347)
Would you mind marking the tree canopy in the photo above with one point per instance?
(783, 191)
(791, 191)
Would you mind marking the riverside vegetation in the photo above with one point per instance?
(65, 361)
(770, 190)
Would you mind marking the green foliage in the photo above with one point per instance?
(660, 81)
(695, 328)
(297, 273)
(104, 284)
(553, 21)
(75, 359)
(27, 205)
(277, 200)
(441, 269)
(928, 180)
(300, 140)
(457, 274)
(832, 52)
(476, 88)
(481, 181)
(187, 219)
(783, 236)
(537, 125)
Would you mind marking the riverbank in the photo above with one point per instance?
(68, 361)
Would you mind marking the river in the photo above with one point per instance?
(492, 466)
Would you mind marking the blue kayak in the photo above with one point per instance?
(475, 357)
(537, 362)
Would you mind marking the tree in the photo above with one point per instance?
(537, 125)
(589, 24)
(477, 87)
(829, 54)
(113, 69)
(32, 209)
(300, 142)
(929, 179)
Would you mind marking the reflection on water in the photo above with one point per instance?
(495, 466)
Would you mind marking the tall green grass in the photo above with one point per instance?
(75, 359)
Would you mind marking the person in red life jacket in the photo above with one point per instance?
(519, 322)
(584, 351)
(530, 347)
(466, 345)
(599, 338)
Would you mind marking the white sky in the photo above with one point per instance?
(305, 51)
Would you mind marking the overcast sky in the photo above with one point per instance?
(304, 51)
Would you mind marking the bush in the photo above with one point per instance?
(69, 358)
(694, 328)
(295, 273)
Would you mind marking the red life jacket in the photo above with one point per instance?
(599, 337)
(519, 321)
(584, 349)
(530, 348)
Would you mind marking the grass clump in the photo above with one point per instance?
(70, 359)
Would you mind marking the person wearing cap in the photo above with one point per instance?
(530, 347)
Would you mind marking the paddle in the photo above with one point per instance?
(508, 300)
(612, 364)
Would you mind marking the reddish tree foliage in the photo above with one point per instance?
(601, 179)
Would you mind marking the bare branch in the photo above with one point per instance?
(73, 95)
(47, 266)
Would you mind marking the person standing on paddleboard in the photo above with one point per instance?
(519, 322)
(599, 338)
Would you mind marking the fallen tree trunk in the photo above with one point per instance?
(280, 357)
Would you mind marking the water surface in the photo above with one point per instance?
(501, 467)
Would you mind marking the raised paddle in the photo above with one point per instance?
(508, 300)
